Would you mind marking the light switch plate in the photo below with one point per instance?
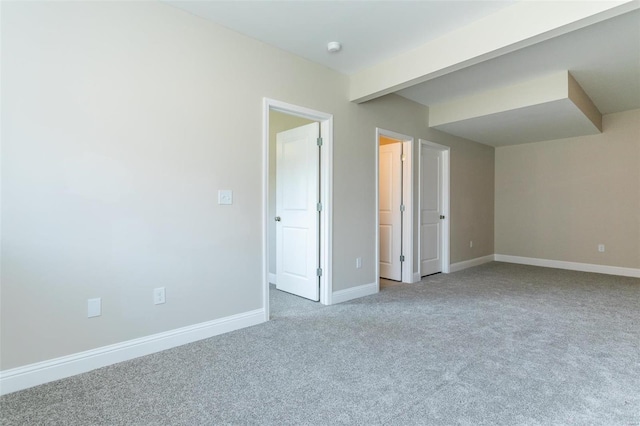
(225, 196)
(94, 307)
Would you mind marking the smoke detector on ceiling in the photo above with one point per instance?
(334, 46)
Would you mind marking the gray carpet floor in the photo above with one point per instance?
(496, 344)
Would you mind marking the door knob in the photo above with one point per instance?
(277, 219)
(441, 217)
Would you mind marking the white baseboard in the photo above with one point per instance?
(459, 266)
(273, 278)
(572, 266)
(354, 293)
(416, 277)
(30, 375)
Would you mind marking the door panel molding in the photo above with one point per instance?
(445, 188)
(390, 185)
(297, 230)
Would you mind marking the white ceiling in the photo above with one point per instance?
(604, 57)
(370, 31)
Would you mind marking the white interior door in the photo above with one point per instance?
(390, 199)
(430, 211)
(297, 196)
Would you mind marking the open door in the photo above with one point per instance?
(297, 211)
(390, 187)
(431, 211)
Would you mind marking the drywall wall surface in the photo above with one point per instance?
(120, 123)
(560, 199)
(472, 200)
(278, 122)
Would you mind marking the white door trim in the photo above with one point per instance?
(445, 200)
(407, 200)
(326, 194)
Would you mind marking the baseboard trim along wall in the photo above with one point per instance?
(572, 266)
(416, 277)
(354, 293)
(273, 278)
(459, 266)
(47, 371)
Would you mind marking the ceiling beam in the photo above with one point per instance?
(510, 29)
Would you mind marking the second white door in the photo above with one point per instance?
(390, 199)
(430, 211)
(297, 216)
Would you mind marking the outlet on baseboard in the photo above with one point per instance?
(158, 296)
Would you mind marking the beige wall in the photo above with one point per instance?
(472, 201)
(120, 122)
(559, 199)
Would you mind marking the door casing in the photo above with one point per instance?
(326, 191)
(444, 244)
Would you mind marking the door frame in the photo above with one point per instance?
(407, 199)
(326, 195)
(445, 179)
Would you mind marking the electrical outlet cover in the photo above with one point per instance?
(225, 196)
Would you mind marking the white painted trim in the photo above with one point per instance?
(265, 207)
(407, 199)
(356, 292)
(376, 229)
(35, 374)
(326, 195)
(416, 277)
(446, 203)
(273, 278)
(459, 266)
(572, 266)
(326, 179)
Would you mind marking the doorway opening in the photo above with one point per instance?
(433, 208)
(313, 229)
(394, 207)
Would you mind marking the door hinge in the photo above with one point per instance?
(319, 141)
(402, 258)
(319, 272)
(319, 207)
(403, 157)
(402, 208)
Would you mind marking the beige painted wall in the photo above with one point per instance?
(120, 122)
(559, 199)
(278, 122)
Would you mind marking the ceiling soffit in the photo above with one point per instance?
(547, 108)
